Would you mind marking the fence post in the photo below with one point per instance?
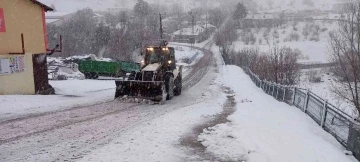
(284, 94)
(306, 101)
(294, 95)
(324, 114)
(266, 86)
(277, 92)
(273, 89)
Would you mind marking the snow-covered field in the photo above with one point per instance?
(314, 47)
(324, 88)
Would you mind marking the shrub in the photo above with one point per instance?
(294, 36)
(314, 77)
(276, 34)
(186, 60)
(266, 33)
(315, 38)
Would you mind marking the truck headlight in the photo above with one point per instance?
(169, 61)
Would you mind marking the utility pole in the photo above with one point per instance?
(161, 27)
(193, 28)
(163, 42)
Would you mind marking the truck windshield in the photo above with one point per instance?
(153, 57)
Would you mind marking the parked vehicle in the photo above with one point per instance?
(93, 69)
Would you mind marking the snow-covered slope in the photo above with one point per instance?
(314, 45)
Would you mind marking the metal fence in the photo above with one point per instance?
(330, 118)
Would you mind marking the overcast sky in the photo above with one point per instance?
(73, 5)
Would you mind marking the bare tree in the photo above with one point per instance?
(344, 51)
(283, 65)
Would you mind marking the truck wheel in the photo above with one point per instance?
(178, 86)
(169, 84)
(87, 75)
(94, 75)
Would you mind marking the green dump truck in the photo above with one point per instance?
(93, 69)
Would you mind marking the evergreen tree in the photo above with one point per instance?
(141, 9)
(240, 12)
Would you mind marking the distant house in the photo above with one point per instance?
(57, 18)
(341, 7)
(188, 35)
(260, 20)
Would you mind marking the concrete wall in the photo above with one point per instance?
(21, 16)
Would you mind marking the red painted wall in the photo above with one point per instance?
(2, 21)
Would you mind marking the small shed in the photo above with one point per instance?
(23, 47)
(188, 35)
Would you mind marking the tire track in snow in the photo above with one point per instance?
(191, 140)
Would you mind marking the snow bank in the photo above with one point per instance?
(263, 129)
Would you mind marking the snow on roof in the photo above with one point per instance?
(98, 15)
(91, 56)
(47, 8)
(49, 21)
(56, 14)
(189, 31)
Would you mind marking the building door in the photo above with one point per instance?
(40, 74)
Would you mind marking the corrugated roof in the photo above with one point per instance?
(46, 8)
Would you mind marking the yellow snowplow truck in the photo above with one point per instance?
(159, 78)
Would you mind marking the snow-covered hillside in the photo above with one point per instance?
(278, 5)
(311, 38)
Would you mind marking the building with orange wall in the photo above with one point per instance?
(23, 47)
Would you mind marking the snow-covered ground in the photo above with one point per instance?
(262, 129)
(324, 88)
(70, 93)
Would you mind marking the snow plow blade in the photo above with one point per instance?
(150, 90)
